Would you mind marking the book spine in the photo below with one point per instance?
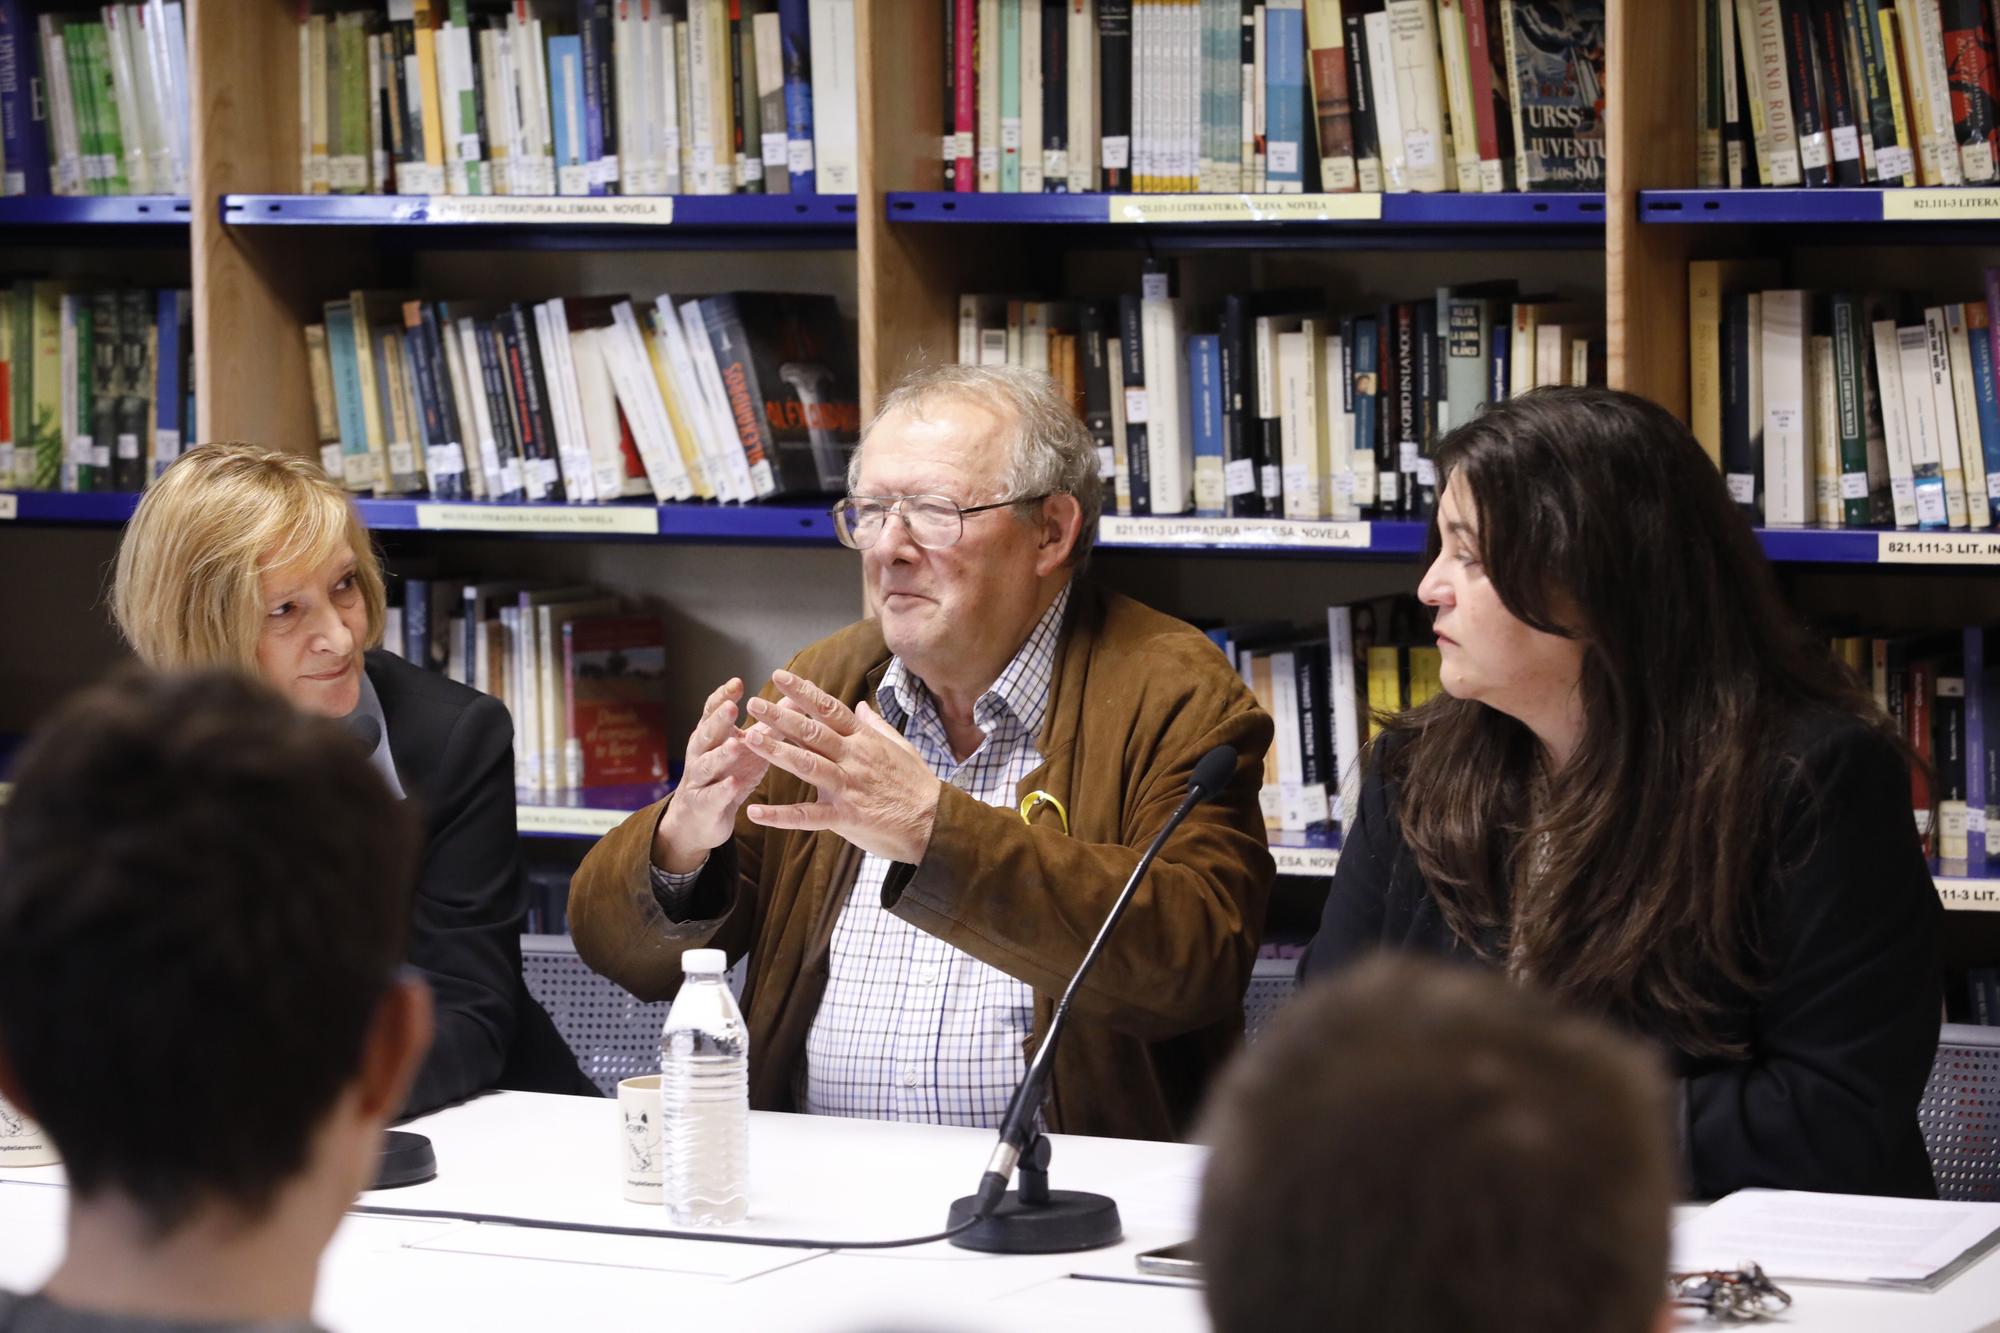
(1242, 495)
(1801, 73)
(1132, 349)
(1361, 103)
(1968, 61)
(1979, 337)
(24, 134)
(1965, 405)
(1850, 353)
(1055, 97)
(1843, 120)
(794, 36)
(1114, 46)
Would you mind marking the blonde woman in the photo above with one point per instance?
(241, 556)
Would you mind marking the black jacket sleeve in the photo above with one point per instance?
(465, 933)
(1842, 1042)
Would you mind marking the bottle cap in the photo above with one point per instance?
(704, 962)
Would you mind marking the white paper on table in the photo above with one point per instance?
(719, 1260)
(1847, 1238)
(1165, 1198)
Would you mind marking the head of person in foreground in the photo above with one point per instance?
(204, 896)
(1431, 1148)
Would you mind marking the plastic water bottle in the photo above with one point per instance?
(705, 1098)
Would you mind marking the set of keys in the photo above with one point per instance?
(1743, 1296)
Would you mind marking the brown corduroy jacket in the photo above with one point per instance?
(1137, 699)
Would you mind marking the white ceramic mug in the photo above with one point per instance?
(641, 1148)
(22, 1142)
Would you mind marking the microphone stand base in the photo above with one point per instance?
(1071, 1220)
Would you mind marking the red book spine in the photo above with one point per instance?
(1479, 62)
(1969, 70)
(965, 91)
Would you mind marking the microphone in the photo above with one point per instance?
(1036, 1219)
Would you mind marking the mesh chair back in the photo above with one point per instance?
(1960, 1113)
(1272, 981)
(614, 1035)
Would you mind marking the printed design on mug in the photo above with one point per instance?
(639, 1144)
(12, 1125)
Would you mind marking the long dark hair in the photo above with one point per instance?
(1628, 886)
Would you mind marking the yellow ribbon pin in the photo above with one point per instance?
(1035, 799)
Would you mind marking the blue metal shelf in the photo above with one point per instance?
(805, 522)
(740, 221)
(55, 507)
(1397, 210)
(137, 210)
(775, 523)
(1927, 208)
(588, 814)
(1393, 539)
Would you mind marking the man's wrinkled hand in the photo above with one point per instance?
(720, 772)
(874, 788)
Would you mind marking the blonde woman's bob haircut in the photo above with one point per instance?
(188, 590)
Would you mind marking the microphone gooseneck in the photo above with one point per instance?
(1211, 774)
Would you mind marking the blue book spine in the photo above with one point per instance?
(795, 39)
(1284, 99)
(1988, 394)
(593, 28)
(1976, 723)
(566, 113)
(346, 380)
(1367, 383)
(1205, 374)
(1503, 360)
(169, 355)
(24, 145)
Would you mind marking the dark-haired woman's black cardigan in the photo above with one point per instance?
(454, 753)
(1840, 1043)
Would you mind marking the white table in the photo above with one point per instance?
(557, 1158)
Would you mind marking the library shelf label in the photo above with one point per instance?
(567, 821)
(576, 519)
(1235, 532)
(630, 210)
(1929, 205)
(1244, 207)
(10, 506)
(1304, 860)
(1937, 548)
(1970, 895)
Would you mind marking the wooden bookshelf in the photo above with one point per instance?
(264, 259)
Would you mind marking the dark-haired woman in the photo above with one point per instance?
(1645, 790)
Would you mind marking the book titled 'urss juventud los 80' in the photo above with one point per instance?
(1557, 53)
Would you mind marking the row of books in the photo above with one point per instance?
(1326, 692)
(1273, 96)
(741, 396)
(1846, 409)
(583, 674)
(1284, 410)
(95, 386)
(616, 97)
(94, 106)
(1941, 691)
(1847, 92)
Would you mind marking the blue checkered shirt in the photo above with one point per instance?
(911, 1028)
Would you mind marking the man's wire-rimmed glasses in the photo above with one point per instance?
(933, 521)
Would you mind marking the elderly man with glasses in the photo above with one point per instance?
(929, 813)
